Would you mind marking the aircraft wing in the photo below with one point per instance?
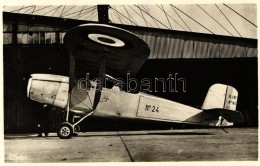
(123, 51)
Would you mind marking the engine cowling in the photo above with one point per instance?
(49, 89)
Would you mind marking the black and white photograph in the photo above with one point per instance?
(130, 82)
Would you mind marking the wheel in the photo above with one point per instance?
(65, 130)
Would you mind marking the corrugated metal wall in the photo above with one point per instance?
(173, 46)
(20, 113)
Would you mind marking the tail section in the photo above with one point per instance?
(221, 96)
(220, 106)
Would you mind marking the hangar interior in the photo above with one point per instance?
(34, 44)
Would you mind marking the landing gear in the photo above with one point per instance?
(77, 128)
(65, 130)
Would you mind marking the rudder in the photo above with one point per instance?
(219, 100)
(221, 96)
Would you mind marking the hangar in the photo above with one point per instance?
(34, 44)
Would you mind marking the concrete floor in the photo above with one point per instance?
(133, 146)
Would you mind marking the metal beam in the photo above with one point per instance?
(103, 16)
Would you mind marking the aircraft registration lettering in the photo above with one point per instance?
(232, 102)
(232, 97)
(151, 108)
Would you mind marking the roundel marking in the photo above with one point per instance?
(106, 40)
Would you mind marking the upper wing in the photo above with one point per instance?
(123, 51)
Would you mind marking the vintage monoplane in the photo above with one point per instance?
(112, 51)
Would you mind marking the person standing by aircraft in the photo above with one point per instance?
(43, 119)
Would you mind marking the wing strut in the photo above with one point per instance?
(101, 76)
(72, 72)
(71, 78)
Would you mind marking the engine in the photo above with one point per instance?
(49, 89)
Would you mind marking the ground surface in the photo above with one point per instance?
(164, 145)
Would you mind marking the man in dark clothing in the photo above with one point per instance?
(43, 121)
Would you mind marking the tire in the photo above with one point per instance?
(65, 130)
